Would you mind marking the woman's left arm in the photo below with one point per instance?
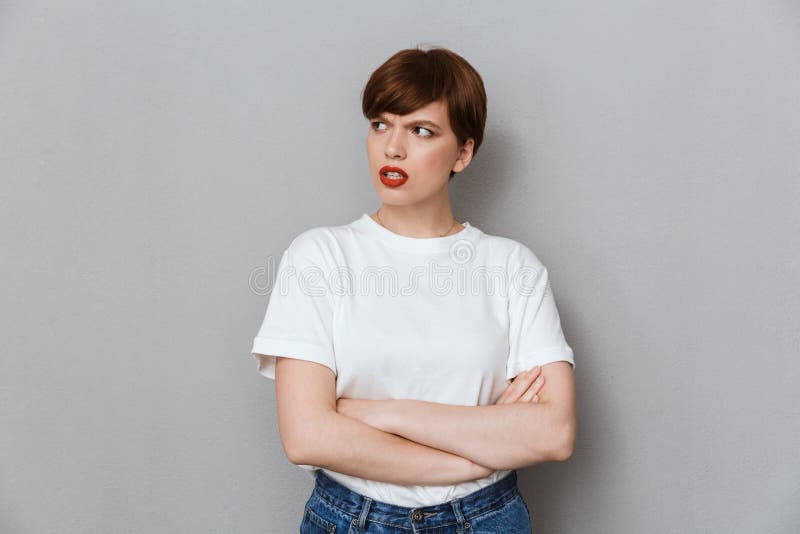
(498, 436)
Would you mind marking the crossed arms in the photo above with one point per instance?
(417, 442)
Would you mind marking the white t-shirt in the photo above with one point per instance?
(444, 319)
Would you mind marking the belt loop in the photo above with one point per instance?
(362, 517)
(456, 504)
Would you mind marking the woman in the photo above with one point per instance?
(409, 403)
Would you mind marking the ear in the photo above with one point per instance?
(464, 155)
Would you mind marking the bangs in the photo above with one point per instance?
(413, 78)
(406, 85)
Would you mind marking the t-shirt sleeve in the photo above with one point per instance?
(535, 334)
(299, 316)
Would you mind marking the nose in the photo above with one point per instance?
(394, 148)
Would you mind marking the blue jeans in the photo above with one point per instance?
(335, 509)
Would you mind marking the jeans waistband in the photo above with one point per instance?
(453, 511)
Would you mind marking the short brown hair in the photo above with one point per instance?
(413, 78)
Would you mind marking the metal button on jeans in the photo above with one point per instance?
(358, 509)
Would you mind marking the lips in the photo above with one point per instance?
(390, 181)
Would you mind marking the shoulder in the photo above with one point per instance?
(514, 254)
(524, 271)
(319, 242)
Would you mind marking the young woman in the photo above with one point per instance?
(409, 350)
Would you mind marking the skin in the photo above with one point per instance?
(363, 433)
(525, 387)
(421, 206)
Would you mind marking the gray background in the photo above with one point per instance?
(154, 159)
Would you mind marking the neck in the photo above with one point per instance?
(416, 221)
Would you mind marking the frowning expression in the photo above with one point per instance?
(420, 146)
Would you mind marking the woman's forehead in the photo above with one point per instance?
(434, 113)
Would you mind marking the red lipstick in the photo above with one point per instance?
(390, 181)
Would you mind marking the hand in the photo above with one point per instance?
(365, 410)
(524, 388)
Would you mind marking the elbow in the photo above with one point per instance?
(302, 449)
(299, 437)
(293, 454)
(563, 454)
(557, 447)
(296, 443)
(565, 444)
(302, 453)
(292, 442)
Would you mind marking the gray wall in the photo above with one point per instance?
(154, 158)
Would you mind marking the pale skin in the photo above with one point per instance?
(413, 442)
(424, 145)
(421, 206)
(525, 387)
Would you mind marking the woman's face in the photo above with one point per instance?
(421, 145)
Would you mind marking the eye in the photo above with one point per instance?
(374, 123)
(428, 134)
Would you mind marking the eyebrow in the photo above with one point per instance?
(421, 122)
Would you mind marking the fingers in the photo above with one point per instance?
(524, 388)
(529, 375)
(520, 384)
(533, 391)
(532, 394)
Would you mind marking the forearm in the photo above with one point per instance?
(501, 436)
(348, 446)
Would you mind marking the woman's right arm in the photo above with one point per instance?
(313, 433)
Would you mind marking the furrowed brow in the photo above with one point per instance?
(421, 122)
